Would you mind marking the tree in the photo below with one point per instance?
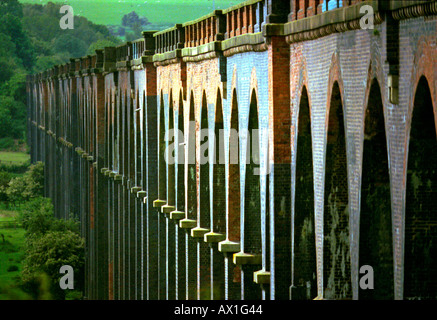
(132, 18)
(12, 117)
(69, 43)
(10, 24)
(47, 254)
(8, 61)
(12, 7)
(28, 186)
(36, 217)
(50, 244)
(5, 178)
(100, 44)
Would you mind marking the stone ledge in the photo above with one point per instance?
(198, 232)
(329, 22)
(118, 177)
(142, 194)
(159, 203)
(177, 215)
(170, 55)
(166, 209)
(261, 277)
(202, 49)
(187, 223)
(250, 39)
(135, 190)
(228, 246)
(214, 237)
(242, 258)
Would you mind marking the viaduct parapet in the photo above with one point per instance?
(338, 171)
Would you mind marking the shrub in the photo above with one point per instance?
(28, 186)
(5, 178)
(47, 253)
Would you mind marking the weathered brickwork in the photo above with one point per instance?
(342, 119)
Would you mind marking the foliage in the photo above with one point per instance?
(28, 186)
(132, 18)
(12, 117)
(32, 41)
(47, 253)
(54, 45)
(50, 244)
(5, 178)
(37, 218)
(10, 24)
(100, 44)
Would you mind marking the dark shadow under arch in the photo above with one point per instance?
(336, 255)
(181, 157)
(234, 175)
(252, 207)
(204, 195)
(420, 281)
(376, 242)
(305, 264)
(171, 156)
(191, 181)
(162, 166)
(219, 189)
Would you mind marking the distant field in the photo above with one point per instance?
(15, 158)
(110, 12)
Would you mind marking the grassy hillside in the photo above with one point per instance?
(11, 252)
(16, 158)
(110, 12)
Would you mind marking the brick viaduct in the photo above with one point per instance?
(351, 150)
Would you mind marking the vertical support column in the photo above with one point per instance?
(277, 11)
(151, 130)
(280, 174)
(101, 219)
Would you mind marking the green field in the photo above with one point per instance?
(13, 158)
(110, 12)
(11, 251)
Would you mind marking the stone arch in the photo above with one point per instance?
(337, 275)
(420, 263)
(425, 57)
(304, 260)
(375, 238)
